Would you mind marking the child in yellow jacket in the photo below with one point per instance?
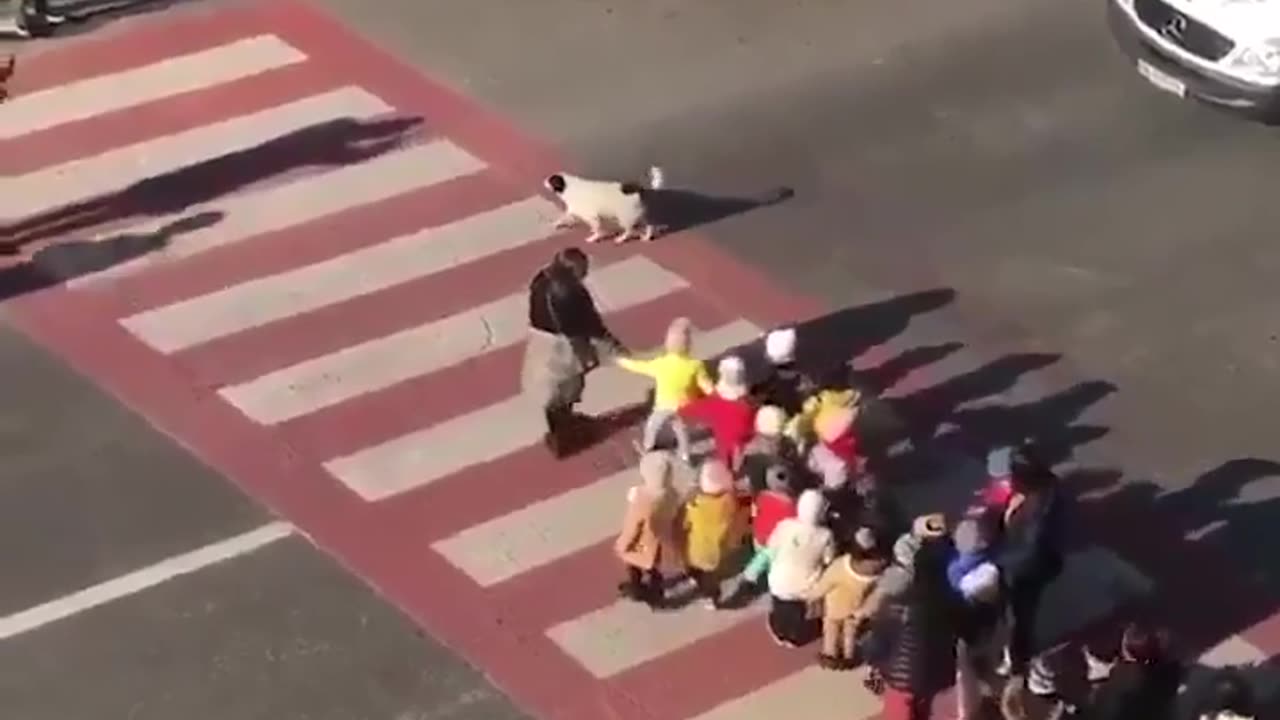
(715, 524)
(678, 377)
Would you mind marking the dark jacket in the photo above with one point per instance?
(1032, 540)
(784, 386)
(918, 628)
(561, 305)
(1137, 690)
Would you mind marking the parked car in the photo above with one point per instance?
(1222, 52)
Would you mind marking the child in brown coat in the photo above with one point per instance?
(646, 530)
(843, 589)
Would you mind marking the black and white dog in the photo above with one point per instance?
(605, 204)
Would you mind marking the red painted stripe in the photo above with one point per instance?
(300, 245)
(251, 353)
(127, 46)
(477, 493)
(175, 114)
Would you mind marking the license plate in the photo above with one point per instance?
(1161, 79)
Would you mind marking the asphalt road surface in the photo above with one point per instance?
(1004, 150)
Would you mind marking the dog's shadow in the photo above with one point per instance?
(676, 210)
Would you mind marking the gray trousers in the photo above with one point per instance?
(660, 419)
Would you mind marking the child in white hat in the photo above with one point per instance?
(728, 412)
(784, 385)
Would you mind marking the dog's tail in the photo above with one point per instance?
(657, 178)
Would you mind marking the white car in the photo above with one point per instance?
(1224, 52)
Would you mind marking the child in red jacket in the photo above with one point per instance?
(774, 504)
(728, 412)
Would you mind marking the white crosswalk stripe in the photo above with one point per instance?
(362, 272)
(100, 95)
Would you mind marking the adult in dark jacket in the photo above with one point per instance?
(918, 627)
(1030, 557)
(567, 339)
(784, 384)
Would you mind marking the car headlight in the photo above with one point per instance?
(1261, 60)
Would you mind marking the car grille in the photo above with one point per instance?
(1195, 37)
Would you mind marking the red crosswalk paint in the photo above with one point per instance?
(241, 345)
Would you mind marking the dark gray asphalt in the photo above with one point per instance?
(89, 492)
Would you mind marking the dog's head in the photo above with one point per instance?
(556, 183)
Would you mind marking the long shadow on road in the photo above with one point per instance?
(335, 143)
(66, 260)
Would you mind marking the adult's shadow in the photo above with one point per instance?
(832, 341)
(675, 210)
(1215, 547)
(67, 260)
(341, 142)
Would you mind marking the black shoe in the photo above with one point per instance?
(742, 594)
(829, 662)
(630, 591)
(555, 444)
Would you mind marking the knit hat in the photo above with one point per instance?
(999, 463)
(780, 346)
(777, 478)
(655, 472)
(970, 537)
(770, 421)
(982, 583)
(714, 478)
(833, 423)
(732, 378)
(810, 507)
(929, 526)
(679, 336)
(864, 538)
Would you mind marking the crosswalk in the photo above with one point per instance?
(360, 303)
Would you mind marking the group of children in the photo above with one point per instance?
(921, 603)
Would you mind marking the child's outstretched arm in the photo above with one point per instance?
(636, 365)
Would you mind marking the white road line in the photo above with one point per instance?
(1235, 650)
(98, 175)
(625, 634)
(543, 532)
(100, 95)
(140, 580)
(422, 457)
(300, 201)
(353, 371)
(258, 302)
(808, 694)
